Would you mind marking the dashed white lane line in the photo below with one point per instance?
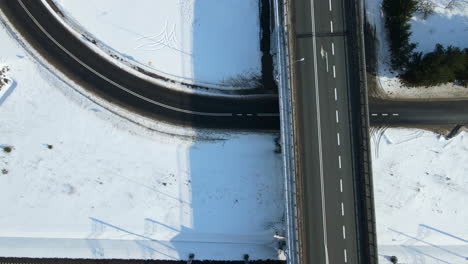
(344, 232)
(342, 209)
(336, 95)
(339, 161)
(338, 138)
(395, 114)
(331, 26)
(384, 114)
(345, 256)
(337, 119)
(329, 4)
(334, 72)
(374, 114)
(341, 185)
(333, 48)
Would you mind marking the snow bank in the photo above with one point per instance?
(84, 182)
(200, 42)
(445, 26)
(420, 187)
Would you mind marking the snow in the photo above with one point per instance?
(110, 186)
(201, 42)
(420, 189)
(446, 26)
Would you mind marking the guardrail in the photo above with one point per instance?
(360, 132)
(287, 141)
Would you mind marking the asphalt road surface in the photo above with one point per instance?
(324, 141)
(56, 44)
(394, 113)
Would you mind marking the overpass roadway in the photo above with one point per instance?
(323, 134)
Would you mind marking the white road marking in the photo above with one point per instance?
(329, 3)
(326, 59)
(333, 48)
(112, 82)
(239, 114)
(319, 131)
(342, 208)
(249, 114)
(339, 161)
(395, 114)
(344, 232)
(336, 95)
(334, 72)
(341, 185)
(374, 114)
(338, 138)
(331, 26)
(336, 114)
(384, 114)
(345, 256)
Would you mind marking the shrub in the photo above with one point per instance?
(7, 149)
(425, 8)
(439, 66)
(4, 171)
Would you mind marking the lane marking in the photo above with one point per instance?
(344, 232)
(112, 82)
(339, 161)
(345, 256)
(334, 72)
(384, 114)
(341, 185)
(338, 138)
(319, 131)
(329, 3)
(331, 26)
(336, 96)
(395, 114)
(337, 119)
(326, 59)
(342, 209)
(374, 114)
(333, 48)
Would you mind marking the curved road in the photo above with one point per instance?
(56, 44)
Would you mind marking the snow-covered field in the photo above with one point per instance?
(421, 192)
(200, 42)
(447, 26)
(82, 181)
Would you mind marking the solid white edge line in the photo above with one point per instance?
(317, 102)
(110, 81)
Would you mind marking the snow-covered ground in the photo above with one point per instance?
(421, 192)
(200, 42)
(447, 26)
(84, 181)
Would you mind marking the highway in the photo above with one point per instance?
(323, 134)
(76, 60)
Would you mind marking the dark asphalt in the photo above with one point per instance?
(323, 134)
(244, 113)
(394, 113)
